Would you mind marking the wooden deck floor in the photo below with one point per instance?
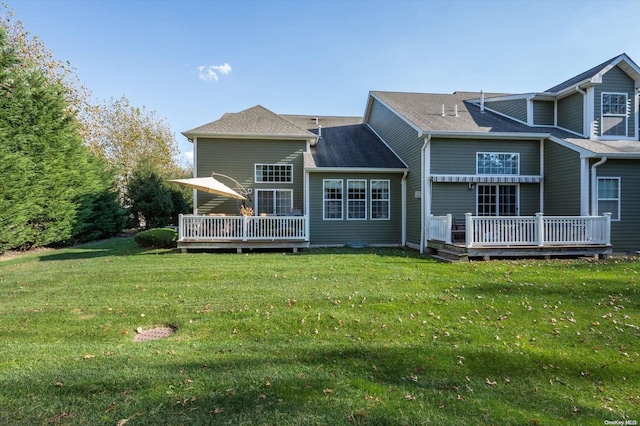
(239, 246)
(458, 252)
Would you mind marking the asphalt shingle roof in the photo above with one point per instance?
(313, 121)
(257, 121)
(424, 110)
(581, 77)
(352, 146)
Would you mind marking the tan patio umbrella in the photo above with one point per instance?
(210, 185)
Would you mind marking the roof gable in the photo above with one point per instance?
(594, 75)
(256, 121)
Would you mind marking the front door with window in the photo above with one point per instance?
(497, 200)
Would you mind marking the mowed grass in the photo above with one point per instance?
(327, 337)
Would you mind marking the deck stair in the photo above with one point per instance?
(445, 252)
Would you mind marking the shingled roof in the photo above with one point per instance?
(424, 110)
(310, 122)
(626, 63)
(352, 146)
(256, 121)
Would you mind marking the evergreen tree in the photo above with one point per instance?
(150, 198)
(48, 175)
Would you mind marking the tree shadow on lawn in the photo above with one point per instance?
(105, 248)
(381, 385)
(368, 385)
(594, 291)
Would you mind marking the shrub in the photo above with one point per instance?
(157, 238)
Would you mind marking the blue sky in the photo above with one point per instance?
(192, 61)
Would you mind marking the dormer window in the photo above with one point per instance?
(614, 114)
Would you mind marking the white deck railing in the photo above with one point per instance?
(241, 228)
(538, 230)
(440, 228)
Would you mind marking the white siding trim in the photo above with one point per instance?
(590, 112)
(195, 174)
(541, 201)
(584, 186)
(636, 105)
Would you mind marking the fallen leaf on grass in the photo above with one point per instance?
(490, 382)
(217, 410)
(88, 356)
(111, 407)
(58, 417)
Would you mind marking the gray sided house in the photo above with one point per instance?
(477, 174)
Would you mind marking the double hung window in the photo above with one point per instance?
(357, 199)
(614, 114)
(609, 196)
(332, 199)
(380, 201)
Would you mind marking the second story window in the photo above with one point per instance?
(497, 163)
(614, 114)
(274, 173)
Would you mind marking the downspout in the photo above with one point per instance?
(307, 214)
(594, 186)
(585, 121)
(424, 173)
(404, 208)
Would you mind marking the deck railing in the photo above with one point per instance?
(241, 228)
(538, 230)
(440, 228)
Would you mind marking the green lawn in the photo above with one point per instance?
(381, 337)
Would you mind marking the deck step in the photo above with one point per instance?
(451, 255)
(443, 259)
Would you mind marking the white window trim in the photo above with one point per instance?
(324, 200)
(614, 218)
(625, 115)
(365, 199)
(274, 190)
(255, 172)
(388, 201)
(517, 154)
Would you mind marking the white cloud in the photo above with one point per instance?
(210, 72)
(189, 155)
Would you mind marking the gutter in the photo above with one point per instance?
(489, 135)
(594, 186)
